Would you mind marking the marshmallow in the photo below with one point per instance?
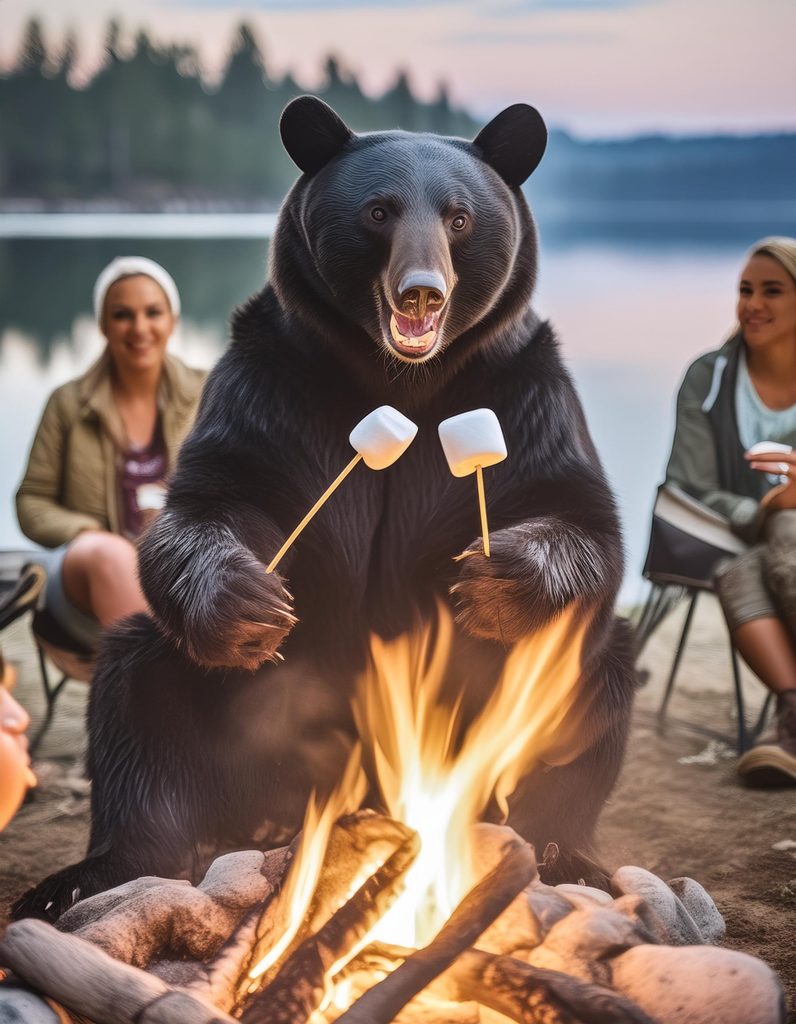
(472, 439)
(770, 448)
(382, 436)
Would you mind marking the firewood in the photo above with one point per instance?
(473, 915)
(299, 986)
(525, 994)
(531, 995)
(92, 984)
(356, 840)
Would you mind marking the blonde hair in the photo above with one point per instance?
(780, 248)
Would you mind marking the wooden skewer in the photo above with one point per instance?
(326, 494)
(479, 477)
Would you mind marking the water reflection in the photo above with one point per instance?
(46, 284)
(632, 306)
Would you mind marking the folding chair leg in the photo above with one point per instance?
(676, 663)
(51, 694)
(743, 736)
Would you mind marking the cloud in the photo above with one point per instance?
(314, 5)
(525, 37)
(500, 8)
(515, 7)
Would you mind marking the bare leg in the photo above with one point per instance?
(765, 645)
(100, 576)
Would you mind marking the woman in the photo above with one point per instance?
(103, 449)
(15, 772)
(732, 400)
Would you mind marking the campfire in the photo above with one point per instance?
(420, 914)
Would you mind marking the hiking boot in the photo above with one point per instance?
(774, 764)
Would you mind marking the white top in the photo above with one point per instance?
(756, 422)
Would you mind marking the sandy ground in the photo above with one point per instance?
(677, 810)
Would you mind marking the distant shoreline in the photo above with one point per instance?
(590, 217)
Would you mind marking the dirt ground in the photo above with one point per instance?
(678, 809)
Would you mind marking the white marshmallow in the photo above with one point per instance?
(770, 447)
(472, 439)
(382, 436)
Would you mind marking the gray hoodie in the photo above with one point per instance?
(707, 455)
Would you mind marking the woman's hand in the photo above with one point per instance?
(783, 464)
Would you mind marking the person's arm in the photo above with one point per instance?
(693, 464)
(41, 515)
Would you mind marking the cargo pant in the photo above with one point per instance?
(761, 582)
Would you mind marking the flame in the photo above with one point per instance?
(438, 783)
(432, 778)
(302, 879)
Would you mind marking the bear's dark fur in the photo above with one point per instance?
(198, 731)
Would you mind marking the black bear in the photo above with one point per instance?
(401, 273)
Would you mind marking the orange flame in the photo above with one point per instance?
(305, 870)
(433, 779)
(440, 784)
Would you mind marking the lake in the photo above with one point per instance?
(635, 292)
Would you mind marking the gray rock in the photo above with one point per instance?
(675, 926)
(236, 879)
(19, 1006)
(584, 895)
(93, 908)
(177, 973)
(582, 943)
(699, 985)
(699, 904)
(548, 906)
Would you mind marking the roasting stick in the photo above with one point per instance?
(479, 477)
(471, 442)
(380, 439)
(323, 498)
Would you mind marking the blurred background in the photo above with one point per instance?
(152, 129)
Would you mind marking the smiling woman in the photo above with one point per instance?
(734, 450)
(103, 450)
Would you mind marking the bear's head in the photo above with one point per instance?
(411, 246)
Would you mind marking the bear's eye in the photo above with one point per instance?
(379, 214)
(459, 222)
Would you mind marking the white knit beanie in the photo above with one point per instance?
(127, 266)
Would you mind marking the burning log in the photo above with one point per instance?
(521, 993)
(531, 995)
(90, 983)
(299, 986)
(473, 915)
(356, 840)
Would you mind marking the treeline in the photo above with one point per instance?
(148, 127)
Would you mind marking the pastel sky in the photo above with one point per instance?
(595, 67)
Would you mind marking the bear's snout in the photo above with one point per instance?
(421, 292)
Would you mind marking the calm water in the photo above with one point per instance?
(634, 299)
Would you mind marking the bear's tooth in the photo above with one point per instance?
(396, 334)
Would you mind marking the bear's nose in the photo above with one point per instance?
(422, 292)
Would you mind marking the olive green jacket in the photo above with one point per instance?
(71, 482)
(707, 455)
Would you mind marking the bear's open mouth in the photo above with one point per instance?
(412, 337)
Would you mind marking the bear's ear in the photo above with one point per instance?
(513, 142)
(312, 133)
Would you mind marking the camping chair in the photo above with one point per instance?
(71, 659)
(687, 539)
